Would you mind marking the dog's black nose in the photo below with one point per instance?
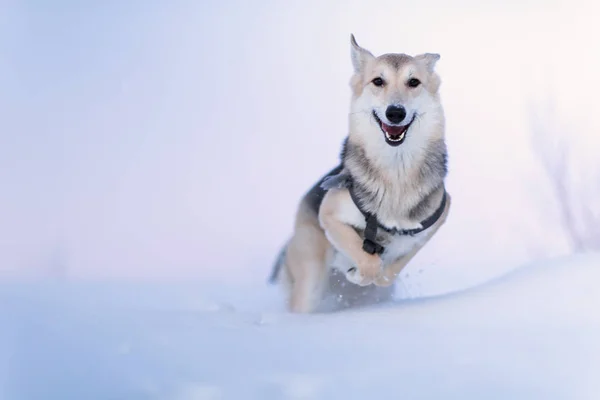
(395, 114)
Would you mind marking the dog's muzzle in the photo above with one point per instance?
(394, 134)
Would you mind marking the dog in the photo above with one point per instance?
(368, 217)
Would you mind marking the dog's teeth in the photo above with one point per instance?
(397, 139)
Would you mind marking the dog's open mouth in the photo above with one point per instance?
(394, 134)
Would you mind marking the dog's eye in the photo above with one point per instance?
(413, 82)
(378, 82)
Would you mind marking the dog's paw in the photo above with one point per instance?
(366, 272)
(354, 275)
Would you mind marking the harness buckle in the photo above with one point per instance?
(372, 247)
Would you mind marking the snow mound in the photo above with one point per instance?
(534, 334)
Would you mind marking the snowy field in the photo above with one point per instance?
(533, 334)
(152, 155)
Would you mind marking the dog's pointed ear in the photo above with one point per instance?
(429, 60)
(360, 56)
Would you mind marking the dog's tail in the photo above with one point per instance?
(277, 265)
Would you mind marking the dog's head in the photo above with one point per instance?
(394, 96)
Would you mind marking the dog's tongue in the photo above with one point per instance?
(393, 130)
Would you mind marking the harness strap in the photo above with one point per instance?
(429, 221)
(370, 244)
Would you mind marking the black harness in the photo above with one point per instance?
(370, 244)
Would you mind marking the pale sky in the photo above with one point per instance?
(173, 140)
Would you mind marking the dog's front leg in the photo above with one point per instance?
(345, 239)
(391, 272)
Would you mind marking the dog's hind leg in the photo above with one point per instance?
(306, 262)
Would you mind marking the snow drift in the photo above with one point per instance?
(534, 334)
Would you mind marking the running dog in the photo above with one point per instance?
(370, 215)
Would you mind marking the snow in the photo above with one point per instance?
(116, 152)
(532, 334)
